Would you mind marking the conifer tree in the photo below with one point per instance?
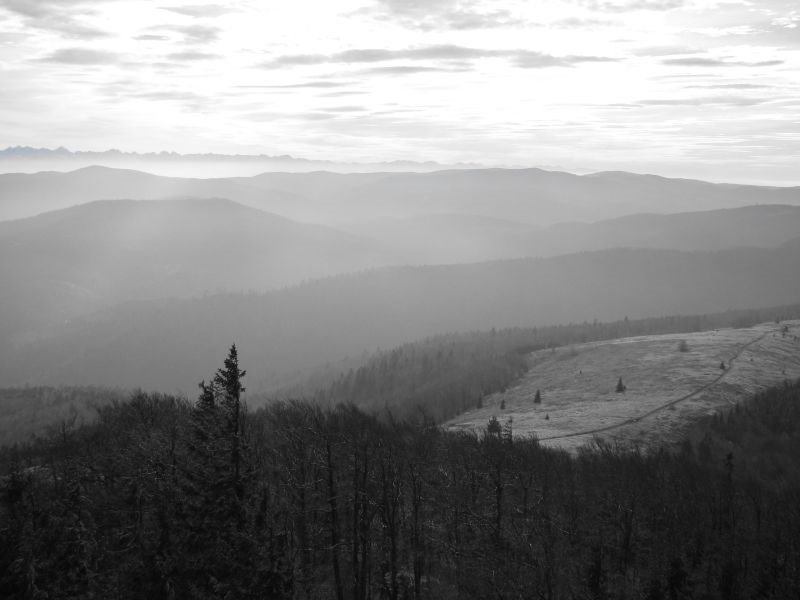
(218, 548)
(208, 396)
(228, 381)
(538, 398)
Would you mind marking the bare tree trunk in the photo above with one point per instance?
(335, 536)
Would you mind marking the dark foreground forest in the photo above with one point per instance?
(164, 498)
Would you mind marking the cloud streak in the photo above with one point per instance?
(621, 6)
(65, 17)
(705, 100)
(191, 55)
(81, 56)
(199, 11)
(527, 59)
(700, 61)
(444, 15)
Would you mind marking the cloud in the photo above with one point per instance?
(198, 34)
(169, 95)
(442, 14)
(189, 55)
(342, 94)
(700, 61)
(536, 60)
(187, 100)
(306, 84)
(695, 61)
(619, 6)
(66, 17)
(199, 10)
(580, 23)
(445, 52)
(346, 109)
(663, 51)
(151, 37)
(410, 70)
(39, 8)
(731, 86)
(81, 56)
(192, 34)
(701, 101)
(313, 116)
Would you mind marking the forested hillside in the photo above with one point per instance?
(29, 411)
(162, 498)
(434, 378)
(443, 376)
(763, 434)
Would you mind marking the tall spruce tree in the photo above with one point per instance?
(218, 550)
(228, 381)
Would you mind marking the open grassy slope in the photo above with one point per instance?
(667, 390)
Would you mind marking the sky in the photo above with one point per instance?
(689, 88)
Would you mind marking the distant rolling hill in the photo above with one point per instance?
(65, 263)
(454, 238)
(531, 196)
(451, 237)
(28, 194)
(173, 344)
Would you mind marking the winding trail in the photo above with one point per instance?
(669, 404)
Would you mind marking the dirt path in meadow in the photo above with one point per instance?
(669, 404)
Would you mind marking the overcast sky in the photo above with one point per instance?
(695, 88)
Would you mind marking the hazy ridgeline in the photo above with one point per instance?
(526, 196)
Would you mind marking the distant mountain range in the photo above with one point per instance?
(529, 196)
(26, 159)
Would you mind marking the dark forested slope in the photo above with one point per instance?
(162, 498)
